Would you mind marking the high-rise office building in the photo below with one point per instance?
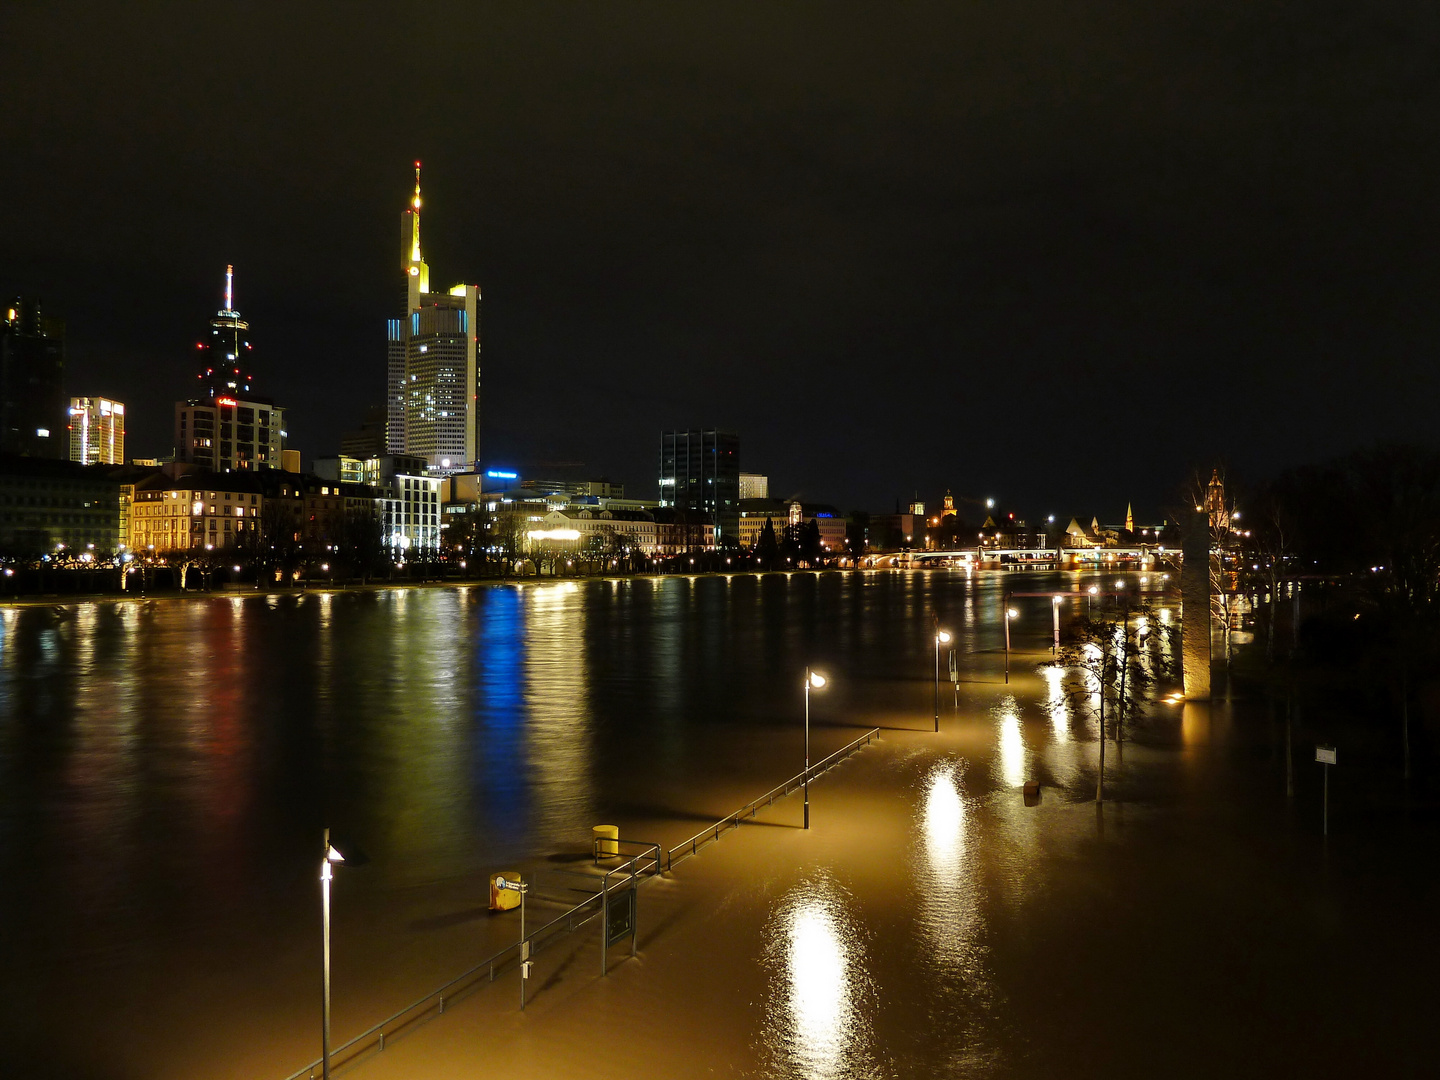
(97, 431)
(432, 394)
(227, 427)
(33, 406)
(754, 486)
(700, 475)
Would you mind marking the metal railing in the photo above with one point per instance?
(374, 1037)
(686, 848)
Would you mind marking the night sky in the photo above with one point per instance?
(1057, 253)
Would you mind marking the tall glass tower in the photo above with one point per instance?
(432, 398)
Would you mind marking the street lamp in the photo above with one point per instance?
(328, 859)
(522, 889)
(941, 636)
(815, 679)
(1010, 613)
(1055, 606)
(1093, 590)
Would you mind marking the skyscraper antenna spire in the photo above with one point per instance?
(416, 202)
(229, 287)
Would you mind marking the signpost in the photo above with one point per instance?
(618, 921)
(1325, 755)
(522, 889)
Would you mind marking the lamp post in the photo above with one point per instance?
(940, 636)
(522, 889)
(1090, 598)
(815, 679)
(1055, 607)
(328, 859)
(1010, 613)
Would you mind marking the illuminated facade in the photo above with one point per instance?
(229, 434)
(97, 431)
(700, 478)
(754, 486)
(211, 511)
(227, 428)
(32, 377)
(433, 363)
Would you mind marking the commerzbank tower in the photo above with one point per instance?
(432, 395)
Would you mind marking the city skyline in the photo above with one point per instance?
(876, 233)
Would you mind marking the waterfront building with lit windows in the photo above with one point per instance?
(208, 510)
(49, 506)
(409, 498)
(700, 479)
(33, 412)
(97, 431)
(433, 363)
(829, 521)
(754, 486)
(227, 427)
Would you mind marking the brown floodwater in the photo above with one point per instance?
(167, 766)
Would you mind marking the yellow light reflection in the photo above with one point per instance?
(1011, 762)
(818, 1023)
(1056, 703)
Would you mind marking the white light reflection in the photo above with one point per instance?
(944, 822)
(951, 911)
(818, 1019)
(1010, 766)
(1056, 703)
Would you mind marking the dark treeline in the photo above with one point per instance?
(1341, 561)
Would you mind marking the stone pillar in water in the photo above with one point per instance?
(1195, 615)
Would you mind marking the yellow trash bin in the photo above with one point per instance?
(504, 899)
(607, 839)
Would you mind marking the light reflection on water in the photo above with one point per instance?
(951, 914)
(1011, 764)
(817, 1024)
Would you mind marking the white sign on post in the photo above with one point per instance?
(1325, 755)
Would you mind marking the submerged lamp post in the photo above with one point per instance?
(330, 857)
(1010, 613)
(522, 889)
(1055, 606)
(941, 636)
(815, 679)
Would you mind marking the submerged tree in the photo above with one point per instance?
(1108, 669)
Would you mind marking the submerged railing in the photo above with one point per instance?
(639, 867)
(686, 848)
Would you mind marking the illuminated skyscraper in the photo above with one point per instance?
(32, 389)
(97, 431)
(225, 352)
(227, 427)
(432, 395)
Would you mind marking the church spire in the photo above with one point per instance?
(1129, 518)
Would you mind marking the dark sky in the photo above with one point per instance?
(1058, 253)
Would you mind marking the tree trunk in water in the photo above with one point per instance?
(1405, 719)
(1289, 736)
(1100, 781)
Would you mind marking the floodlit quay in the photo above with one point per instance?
(168, 766)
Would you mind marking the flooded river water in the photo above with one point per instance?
(166, 767)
